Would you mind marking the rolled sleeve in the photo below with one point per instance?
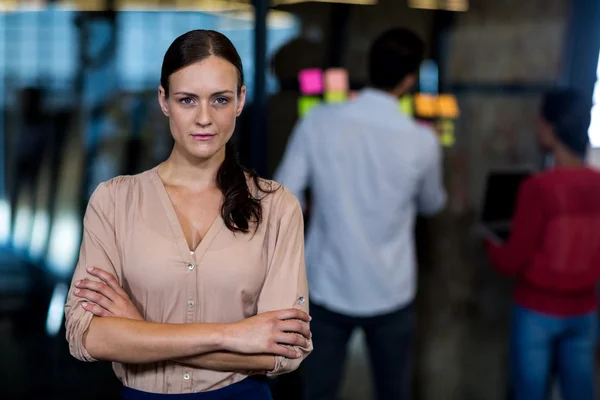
(98, 249)
(286, 285)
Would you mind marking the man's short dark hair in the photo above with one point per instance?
(394, 55)
(569, 113)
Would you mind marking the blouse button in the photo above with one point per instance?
(186, 377)
(191, 304)
(191, 266)
(301, 300)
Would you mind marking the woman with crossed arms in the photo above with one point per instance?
(191, 275)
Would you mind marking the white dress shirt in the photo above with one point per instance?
(370, 169)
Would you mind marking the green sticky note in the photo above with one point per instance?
(335, 96)
(306, 103)
(406, 105)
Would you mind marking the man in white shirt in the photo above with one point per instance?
(370, 169)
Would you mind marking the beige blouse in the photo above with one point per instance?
(131, 230)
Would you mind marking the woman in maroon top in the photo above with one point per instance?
(554, 255)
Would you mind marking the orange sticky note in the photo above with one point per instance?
(426, 105)
(447, 106)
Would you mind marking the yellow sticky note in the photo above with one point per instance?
(306, 103)
(447, 106)
(445, 129)
(447, 139)
(335, 96)
(406, 105)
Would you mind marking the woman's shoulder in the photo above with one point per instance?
(122, 185)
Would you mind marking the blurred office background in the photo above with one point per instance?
(78, 81)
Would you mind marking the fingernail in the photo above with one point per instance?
(90, 269)
(77, 283)
(77, 291)
(84, 304)
(298, 355)
(309, 318)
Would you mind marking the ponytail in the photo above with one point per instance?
(240, 208)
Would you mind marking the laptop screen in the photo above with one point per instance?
(501, 194)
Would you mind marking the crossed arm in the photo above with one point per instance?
(107, 299)
(274, 341)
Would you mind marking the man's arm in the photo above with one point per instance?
(294, 170)
(432, 195)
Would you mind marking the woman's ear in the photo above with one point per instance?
(163, 101)
(241, 101)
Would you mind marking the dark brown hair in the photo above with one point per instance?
(240, 208)
(393, 56)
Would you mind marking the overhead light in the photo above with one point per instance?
(209, 6)
(358, 2)
(446, 5)
(81, 5)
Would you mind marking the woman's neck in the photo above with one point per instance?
(181, 169)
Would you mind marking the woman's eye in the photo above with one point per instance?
(222, 100)
(186, 101)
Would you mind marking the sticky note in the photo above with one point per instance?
(311, 81)
(445, 128)
(447, 139)
(336, 80)
(335, 96)
(306, 103)
(447, 106)
(406, 105)
(426, 105)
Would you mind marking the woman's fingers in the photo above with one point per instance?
(293, 313)
(94, 297)
(290, 339)
(107, 278)
(295, 326)
(99, 287)
(96, 310)
(285, 351)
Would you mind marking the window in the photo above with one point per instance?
(594, 131)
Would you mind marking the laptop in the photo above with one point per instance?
(499, 200)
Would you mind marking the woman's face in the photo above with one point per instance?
(202, 106)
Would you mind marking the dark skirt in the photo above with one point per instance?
(248, 389)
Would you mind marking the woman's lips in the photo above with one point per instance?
(203, 136)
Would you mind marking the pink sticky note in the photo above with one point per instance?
(311, 81)
(336, 80)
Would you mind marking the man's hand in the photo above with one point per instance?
(108, 299)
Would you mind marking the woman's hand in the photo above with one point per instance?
(270, 333)
(108, 299)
